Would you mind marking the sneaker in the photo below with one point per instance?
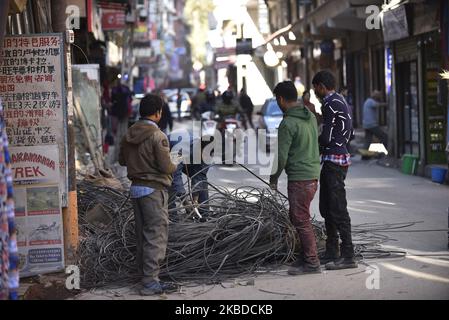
(168, 287)
(303, 269)
(155, 287)
(342, 263)
(152, 288)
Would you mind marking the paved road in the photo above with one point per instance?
(375, 195)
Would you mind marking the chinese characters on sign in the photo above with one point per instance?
(38, 209)
(32, 89)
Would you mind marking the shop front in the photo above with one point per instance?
(420, 113)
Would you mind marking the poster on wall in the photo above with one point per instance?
(32, 89)
(38, 209)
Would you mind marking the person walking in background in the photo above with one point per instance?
(179, 103)
(145, 152)
(121, 99)
(298, 154)
(248, 108)
(371, 119)
(166, 122)
(198, 100)
(337, 131)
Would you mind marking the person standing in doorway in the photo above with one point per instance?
(371, 119)
(337, 131)
(298, 154)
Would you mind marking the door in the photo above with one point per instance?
(408, 108)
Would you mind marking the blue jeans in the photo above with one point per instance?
(177, 188)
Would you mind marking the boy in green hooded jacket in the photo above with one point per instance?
(298, 153)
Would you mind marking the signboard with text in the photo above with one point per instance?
(38, 209)
(32, 89)
(113, 20)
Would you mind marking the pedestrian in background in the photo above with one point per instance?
(145, 152)
(371, 119)
(121, 99)
(179, 103)
(298, 154)
(248, 108)
(166, 122)
(337, 131)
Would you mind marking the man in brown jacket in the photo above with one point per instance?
(146, 154)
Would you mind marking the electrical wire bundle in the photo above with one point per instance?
(247, 230)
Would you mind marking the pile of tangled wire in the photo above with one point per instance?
(246, 230)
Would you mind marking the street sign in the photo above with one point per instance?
(113, 20)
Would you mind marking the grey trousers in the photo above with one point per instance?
(151, 215)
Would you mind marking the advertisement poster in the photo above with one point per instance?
(38, 209)
(32, 89)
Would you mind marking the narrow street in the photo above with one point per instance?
(375, 195)
(199, 150)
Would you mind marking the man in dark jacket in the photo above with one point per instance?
(337, 132)
(298, 154)
(248, 107)
(166, 123)
(145, 152)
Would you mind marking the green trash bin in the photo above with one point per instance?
(409, 163)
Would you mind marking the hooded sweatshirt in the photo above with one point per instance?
(145, 152)
(298, 149)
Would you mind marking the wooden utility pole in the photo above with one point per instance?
(70, 213)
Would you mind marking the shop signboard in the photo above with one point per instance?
(395, 24)
(32, 89)
(38, 209)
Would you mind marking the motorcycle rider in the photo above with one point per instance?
(228, 108)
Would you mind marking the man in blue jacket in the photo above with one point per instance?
(336, 134)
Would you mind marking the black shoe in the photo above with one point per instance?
(342, 263)
(327, 257)
(303, 269)
(298, 262)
